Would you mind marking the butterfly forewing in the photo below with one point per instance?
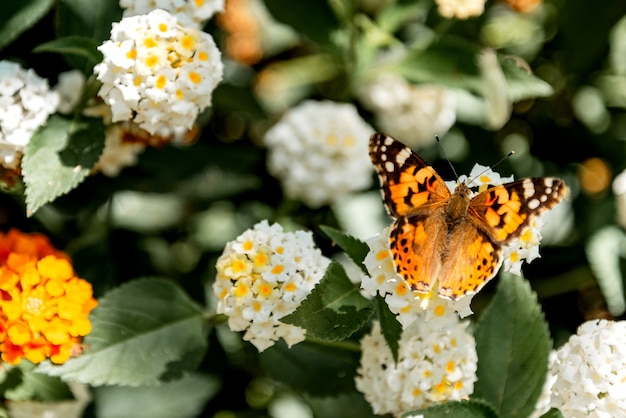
(407, 181)
(508, 208)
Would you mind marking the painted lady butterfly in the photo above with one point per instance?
(452, 238)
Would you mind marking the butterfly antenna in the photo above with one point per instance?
(491, 167)
(443, 151)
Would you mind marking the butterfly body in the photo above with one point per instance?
(452, 239)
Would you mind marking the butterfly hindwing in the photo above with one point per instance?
(407, 181)
(412, 244)
(472, 259)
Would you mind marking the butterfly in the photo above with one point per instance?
(452, 238)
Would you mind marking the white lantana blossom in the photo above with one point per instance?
(69, 87)
(191, 13)
(590, 371)
(319, 151)
(158, 73)
(415, 113)
(117, 152)
(460, 9)
(437, 362)
(26, 102)
(264, 275)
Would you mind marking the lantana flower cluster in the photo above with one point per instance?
(415, 113)
(44, 307)
(437, 362)
(158, 73)
(264, 275)
(319, 151)
(26, 102)
(191, 13)
(589, 371)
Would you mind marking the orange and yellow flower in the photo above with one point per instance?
(44, 307)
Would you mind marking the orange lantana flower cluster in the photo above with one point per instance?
(44, 307)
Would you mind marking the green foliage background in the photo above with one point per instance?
(196, 198)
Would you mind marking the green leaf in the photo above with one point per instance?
(314, 19)
(522, 83)
(458, 409)
(182, 398)
(89, 19)
(144, 332)
(355, 248)
(447, 62)
(389, 325)
(340, 406)
(73, 45)
(617, 53)
(603, 252)
(317, 369)
(553, 413)
(395, 14)
(35, 386)
(18, 16)
(10, 378)
(452, 63)
(59, 157)
(513, 344)
(335, 308)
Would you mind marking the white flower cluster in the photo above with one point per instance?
(415, 113)
(158, 73)
(319, 151)
(264, 275)
(401, 300)
(437, 362)
(26, 102)
(590, 371)
(118, 153)
(460, 9)
(191, 13)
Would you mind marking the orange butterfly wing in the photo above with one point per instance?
(495, 217)
(415, 195)
(407, 181)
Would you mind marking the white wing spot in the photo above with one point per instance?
(548, 181)
(388, 140)
(529, 188)
(390, 167)
(543, 198)
(533, 204)
(403, 155)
